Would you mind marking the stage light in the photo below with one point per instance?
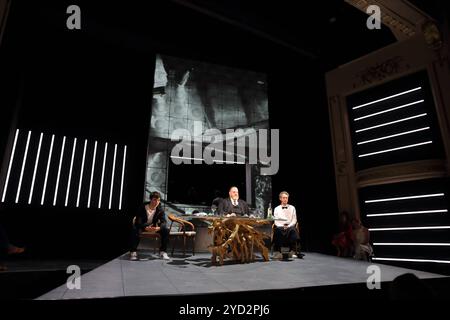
(92, 175)
(389, 110)
(112, 176)
(48, 167)
(409, 228)
(59, 170)
(386, 98)
(395, 149)
(411, 260)
(392, 122)
(407, 197)
(393, 135)
(81, 173)
(23, 166)
(405, 213)
(10, 165)
(35, 168)
(123, 174)
(103, 175)
(70, 171)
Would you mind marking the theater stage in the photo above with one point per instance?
(193, 276)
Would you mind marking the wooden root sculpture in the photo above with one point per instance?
(237, 238)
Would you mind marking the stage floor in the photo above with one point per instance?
(195, 275)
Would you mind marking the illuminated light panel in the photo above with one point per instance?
(407, 197)
(112, 176)
(123, 173)
(392, 122)
(103, 175)
(81, 173)
(393, 135)
(386, 98)
(411, 244)
(389, 110)
(35, 168)
(10, 165)
(395, 149)
(92, 175)
(59, 170)
(411, 260)
(405, 213)
(48, 167)
(409, 228)
(70, 171)
(23, 167)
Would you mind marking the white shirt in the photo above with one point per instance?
(234, 202)
(289, 214)
(150, 214)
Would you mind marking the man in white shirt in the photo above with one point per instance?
(285, 233)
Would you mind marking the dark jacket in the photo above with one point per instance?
(226, 207)
(159, 219)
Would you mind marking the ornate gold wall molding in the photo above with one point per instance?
(400, 172)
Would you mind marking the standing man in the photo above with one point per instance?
(233, 206)
(285, 233)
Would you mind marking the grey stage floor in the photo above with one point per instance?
(195, 275)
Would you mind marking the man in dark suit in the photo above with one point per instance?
(233, 206)
(150, 218)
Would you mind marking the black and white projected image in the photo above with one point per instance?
(188, 93)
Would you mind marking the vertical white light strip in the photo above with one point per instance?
(70, 171)
(35, 168)
(10, 165)
(112, 176)
(81, 173)
(23, 166)
(103, 175)
(121, 179)
(92, 175)
(59, 170)
(48, 167)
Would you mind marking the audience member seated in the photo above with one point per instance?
(6, 248)
(409, 287)
(343, 241)
(233, 206)
(361, 241)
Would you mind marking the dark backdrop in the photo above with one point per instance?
(98, 82)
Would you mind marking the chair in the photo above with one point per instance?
(148, 235)
(297, 242)
(179, 231)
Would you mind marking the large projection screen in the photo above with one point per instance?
(191, 95)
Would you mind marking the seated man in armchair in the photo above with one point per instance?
(285, 233)
(233, 206)
(151, 218)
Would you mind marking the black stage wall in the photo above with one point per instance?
(97, 83)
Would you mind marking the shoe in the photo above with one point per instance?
(133, 256)
(277, 255)
(15, 250)
(164, 255)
